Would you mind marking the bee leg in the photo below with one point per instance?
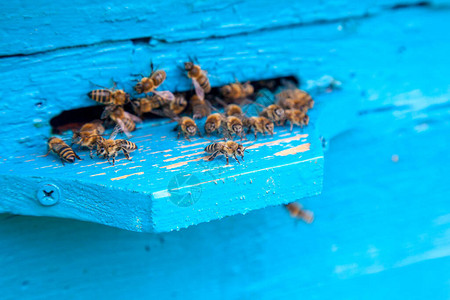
(214, 155)
(199, 133)
(114, 161)
(62, 160)
(256, 135)
(91, 153)
(226, 155)
(292, 126)
(236, 158)
(76, 155)
(127, 156)
(47, 153)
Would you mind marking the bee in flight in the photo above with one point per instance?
(228, 148)
(199, 79)
(150, 83)
(296, 211)
(109, 96)
(110, 148)
(125, 120)
(60, 148)
(88, 135)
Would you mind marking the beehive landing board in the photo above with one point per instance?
(168, 184)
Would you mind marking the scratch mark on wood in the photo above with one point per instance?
(182, 163)
(126, 176)
(99, 174)
(278, 142)
(294, 150)
(182, 156)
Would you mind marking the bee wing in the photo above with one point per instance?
(167, 95)
(198, 89)
(108, 110)
(116, 130)
(133, 117)
(122, 128)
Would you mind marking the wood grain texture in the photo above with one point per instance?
(167, 185)
(47, 84)
(378, 232)
(31, 27)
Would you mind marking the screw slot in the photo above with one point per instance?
(48, 194)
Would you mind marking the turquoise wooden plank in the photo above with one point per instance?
(24, 30)
(168, 184)
(36, 82)
(377, 230)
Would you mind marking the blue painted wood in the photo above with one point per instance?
(168, 185)
(114, 21)
(381, 226)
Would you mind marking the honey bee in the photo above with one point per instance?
(228, 148)
(199, 79)
(150, 83)
(294, 98)
(296, 211)
(274, 113)
(125, 120)
(187, 127)
(296, 117)
(88, 135)
(110, 148)
(233, 125)
(235, 91)
(233, 110)
(200, 107)
(151, 103)
(109, 96)
(60, 148)
(213, 123)
(259, 124)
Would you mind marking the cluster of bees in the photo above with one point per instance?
(291, 105)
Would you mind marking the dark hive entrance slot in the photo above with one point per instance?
(75, 118)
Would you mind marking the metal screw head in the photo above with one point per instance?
(48, 194)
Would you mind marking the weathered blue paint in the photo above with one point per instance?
(31, 23)
(382, 224)
(168, 184)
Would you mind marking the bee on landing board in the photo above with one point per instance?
(150, 83)
(294, 98)
(187, 127)
(274, 113)
(258, 124)
(88, 135)
(296, 117)
(228, 148)
(296, 211)
(199, 79)
(200, 107)
(155, 102)
(125, 120)
(213, 123)
(237, 91)
(109, 96)
(60, 148)
(110, 148)
(233, 125)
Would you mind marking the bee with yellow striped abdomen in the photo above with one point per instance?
(199, 79)
(109, 96)
(150, 83)
(228, 148)
(60, 148)
(88, 135)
